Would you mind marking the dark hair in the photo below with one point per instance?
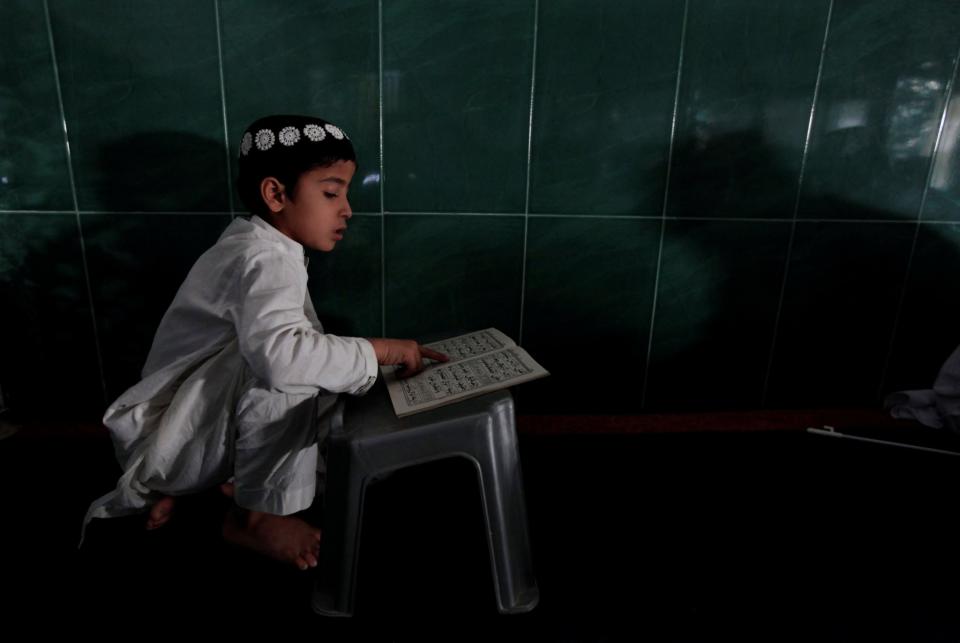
(286, 163)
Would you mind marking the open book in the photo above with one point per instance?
(480, 362)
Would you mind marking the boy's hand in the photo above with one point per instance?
(405, 352)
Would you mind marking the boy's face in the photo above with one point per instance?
(318, 217)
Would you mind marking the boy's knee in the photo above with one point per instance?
(260, 409)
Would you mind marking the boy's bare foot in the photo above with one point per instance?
(160, 513)
(284, 538)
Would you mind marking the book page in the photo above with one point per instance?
(472, 344)
(443, 383)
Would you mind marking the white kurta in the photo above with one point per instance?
(937, 407)
(238, 375)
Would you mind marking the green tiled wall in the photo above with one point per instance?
(673, 204)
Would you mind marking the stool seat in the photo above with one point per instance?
(367, 441)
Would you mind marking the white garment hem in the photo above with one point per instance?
(274, 501)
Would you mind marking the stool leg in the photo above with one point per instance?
(501, 484)
(335, 588)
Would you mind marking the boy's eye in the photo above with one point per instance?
(331, 195)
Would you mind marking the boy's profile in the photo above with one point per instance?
(240, 377)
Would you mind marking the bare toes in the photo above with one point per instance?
(160, 512)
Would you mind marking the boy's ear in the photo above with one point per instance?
(271, 191)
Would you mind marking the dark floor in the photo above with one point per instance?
(693, 537)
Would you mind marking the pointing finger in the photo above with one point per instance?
(432, 354)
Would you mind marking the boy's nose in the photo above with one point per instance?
(348, 211)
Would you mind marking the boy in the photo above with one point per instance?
(240, 375)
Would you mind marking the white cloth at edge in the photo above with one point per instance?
(937, 407)
(239, 355)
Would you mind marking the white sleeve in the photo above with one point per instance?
(279, 342)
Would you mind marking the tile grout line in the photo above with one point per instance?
(223, 105)
(160, 213)
(533, 215)
(649, 217)
(884, 371)
(663, 210)
(383, 213)
(526, 201)
(796, 207)
(76, 203)
(459, 214)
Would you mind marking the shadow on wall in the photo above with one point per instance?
(165, 171)
(48, 365)
(719, 291)
(138, 261)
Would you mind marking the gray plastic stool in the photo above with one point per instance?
(368, 441)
